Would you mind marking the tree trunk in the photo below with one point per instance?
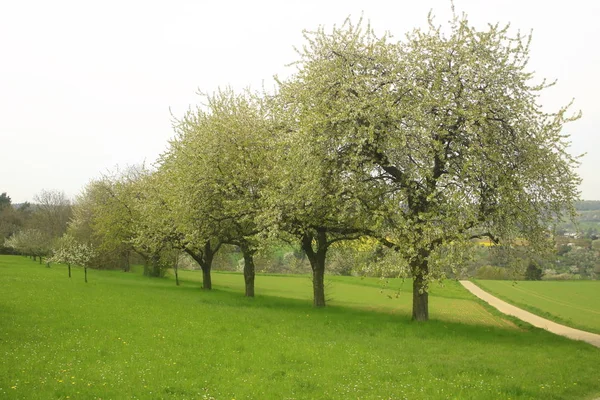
(204, 258)
(85, 273)
(249, 270)
(317, 264)
(206, 278)
(420, 269)
(152, 266)
(126, 265)
(420, 311)
(318, 278)
(156, 269)
(69, 266)
(176, 268)
(40, 258)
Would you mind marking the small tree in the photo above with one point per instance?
(72, 252)
(63, 252)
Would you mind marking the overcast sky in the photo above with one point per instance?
(88, 85)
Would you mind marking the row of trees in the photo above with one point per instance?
(422, 144)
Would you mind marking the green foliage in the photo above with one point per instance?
(12, 219)
(582, 261)
(101, 217)
(563, 249)
(57, 342)
(109, 215)
(491, 272)
(5, 201)
(533, 272)
(280, 257)
(366, 257)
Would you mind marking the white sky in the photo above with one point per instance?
(87, 85)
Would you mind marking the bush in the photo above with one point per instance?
(561, 277)
(533, 272)
(495, 273)
(8, 250)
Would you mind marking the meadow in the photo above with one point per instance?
(572, 303)
(123, 335)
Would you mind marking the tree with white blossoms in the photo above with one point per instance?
(215, 169)
(154, 230)
(445, 129)
(309, 197)
(31, 242)
(70, 251)
(62, 252)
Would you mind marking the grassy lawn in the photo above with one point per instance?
(125, 336)
(573, 303)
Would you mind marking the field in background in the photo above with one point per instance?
(127, 336)
(573, 303)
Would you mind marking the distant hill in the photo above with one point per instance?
(588, 219)
(588, 205)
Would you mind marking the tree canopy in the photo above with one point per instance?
(5, 200)
(446, 128)
(215, 169)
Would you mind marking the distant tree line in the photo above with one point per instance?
(33, 229)
(588, 205)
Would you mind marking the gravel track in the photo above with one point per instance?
(533, 319)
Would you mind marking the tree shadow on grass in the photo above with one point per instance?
(371, 322)
(368, 321)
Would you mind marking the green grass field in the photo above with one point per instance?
(573, 303)
(124, 336)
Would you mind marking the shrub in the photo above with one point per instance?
(533, 272)
(495, 273)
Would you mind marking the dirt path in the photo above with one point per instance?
(533, 319)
